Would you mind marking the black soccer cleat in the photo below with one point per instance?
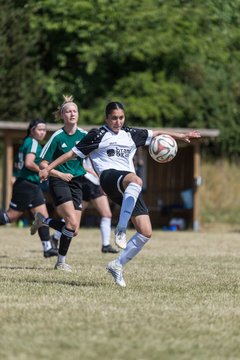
(51, 252)
(109, 249)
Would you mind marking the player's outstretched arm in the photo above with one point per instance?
(179, 136)
(44, 173)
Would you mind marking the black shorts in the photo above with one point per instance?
(90, 190)
(26, 195)
(63, 191)
(111, 183)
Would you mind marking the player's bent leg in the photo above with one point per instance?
(39, 221)
(134, 246)
(9, 216)
(115, 267)
(48, 250)
(42, 228)
(71, 216)
(133, 186)
(142, 224)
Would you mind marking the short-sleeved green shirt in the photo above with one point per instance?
(29, 146)
(60, 143)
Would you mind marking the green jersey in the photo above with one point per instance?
(60, 143)
(29, 146)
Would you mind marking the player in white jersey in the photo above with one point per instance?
(111, 149)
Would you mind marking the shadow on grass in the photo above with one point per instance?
(50, 281)
(23, 268)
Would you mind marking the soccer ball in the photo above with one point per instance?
(163, 148)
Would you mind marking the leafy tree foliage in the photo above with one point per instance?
(172, 63)
(20, 74)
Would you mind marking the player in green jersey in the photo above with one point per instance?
(64, 181)
(27, 193)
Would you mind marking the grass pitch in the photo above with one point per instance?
(182, 299)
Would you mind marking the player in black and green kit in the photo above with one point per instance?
(64, 181)
(27, 193)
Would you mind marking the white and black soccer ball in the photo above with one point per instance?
(163, 148)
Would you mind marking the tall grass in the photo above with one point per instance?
(220, 192)
(181, 300)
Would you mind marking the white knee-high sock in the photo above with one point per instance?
(105, 228)
(134, 245)
(130, 197)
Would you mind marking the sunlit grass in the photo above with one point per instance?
(181, 301)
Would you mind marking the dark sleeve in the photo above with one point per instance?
(91, 141)
(139, 136)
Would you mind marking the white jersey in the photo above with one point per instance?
(108, 150)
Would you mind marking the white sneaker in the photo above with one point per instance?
(63, 266)
(117, 272)
(38, 222)
(120, 238)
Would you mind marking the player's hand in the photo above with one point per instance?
(190, 135)
(66, 177)
(43, 174)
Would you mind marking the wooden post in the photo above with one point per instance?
(197, 183)
(7, 171)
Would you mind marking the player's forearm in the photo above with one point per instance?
(175, 135)
(61, 160)
(178, 136)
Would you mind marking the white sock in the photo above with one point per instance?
(130, 197)
(134, 245)
(105, 228)
(46, 245)
(61, 258)
(57, 235)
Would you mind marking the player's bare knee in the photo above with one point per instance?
(139, 181)
(76, 232)
(147, 234)
(71, 223)
(132, 178)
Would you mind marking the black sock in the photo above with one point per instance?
(4, 219)
(44, 233)
(56, 224)
(65, 241)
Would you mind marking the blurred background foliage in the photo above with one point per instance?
(172, 63)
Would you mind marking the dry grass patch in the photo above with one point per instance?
(181, 302)
(220, 192)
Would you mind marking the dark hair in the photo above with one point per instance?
(33, 124)
(115, 105)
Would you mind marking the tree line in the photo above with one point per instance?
(172, 63)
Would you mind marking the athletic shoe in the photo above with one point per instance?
(38, 222)
(120, 238)
(117, 272)
(109, 249)
(54, 242)
(49, 253)
(63, 266)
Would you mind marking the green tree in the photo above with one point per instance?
(20, 74)
(172, 63)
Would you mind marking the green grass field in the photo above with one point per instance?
(182, 299)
